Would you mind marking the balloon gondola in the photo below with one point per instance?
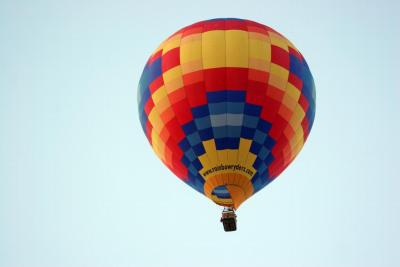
(226, 104)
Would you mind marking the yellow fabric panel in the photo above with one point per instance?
(163, 105)
(244, 148)
(232, 155)
(259, 64)
(298, 138)
(259, 49)
(237, 48)
(173, 79)
(296, 147)
(174, 85)
(250, 159)
(211, 150)
(172, 74)
(190, 49)
(279, 41)
(289, 102)
(259, 36)
(293, 92)
(222, 157)
(161, 100)
(194, 37)
(213, 49)
(171, 43)
(191, 53)
(192, 66)
(205, 161)
(297, 117)
(155, 120)
(158, 145)
(278, 76)
(159, 94)
(259, 55)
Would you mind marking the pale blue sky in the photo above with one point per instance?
(81, 187)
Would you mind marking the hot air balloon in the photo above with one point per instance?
(226, 104)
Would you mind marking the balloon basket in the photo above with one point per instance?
(228, 219)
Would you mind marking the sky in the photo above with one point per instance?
(81, 187)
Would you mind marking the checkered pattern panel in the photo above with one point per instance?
(226, 91)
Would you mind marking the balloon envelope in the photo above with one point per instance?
(227, 104)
